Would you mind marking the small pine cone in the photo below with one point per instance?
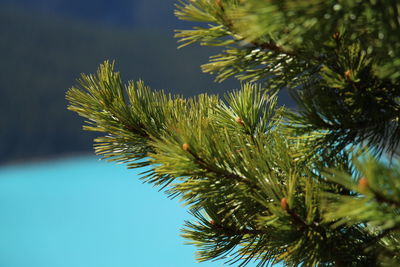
(284, 204)
(219, 3)
(239, 120)
(363, 185)
(347, 74)
(185, 147)
(336, 36)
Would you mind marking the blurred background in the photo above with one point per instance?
(46, 44)
(58, 205)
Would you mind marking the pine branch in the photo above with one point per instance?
(228, 231)
(223, 173)
(303, 224)
(266, 183)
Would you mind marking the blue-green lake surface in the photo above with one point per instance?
(82, 212)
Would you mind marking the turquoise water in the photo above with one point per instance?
(82, 212)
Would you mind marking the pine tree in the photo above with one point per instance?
(318, 185)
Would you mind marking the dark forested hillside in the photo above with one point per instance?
(43, 56)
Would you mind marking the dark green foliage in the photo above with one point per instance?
(263, 183)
